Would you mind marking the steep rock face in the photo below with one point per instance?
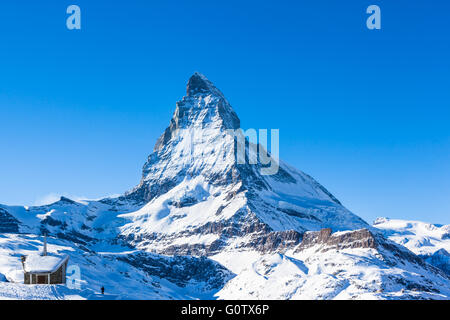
(8, 224)
(181, 270)
(324, 240)
(342, 240)
(193, 143)
(440, 259)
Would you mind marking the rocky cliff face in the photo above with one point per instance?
(440, 259)
(324, 240)
(342, 240)
(197, 132)
(7, 222)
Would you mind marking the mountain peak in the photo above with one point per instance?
(198, 83)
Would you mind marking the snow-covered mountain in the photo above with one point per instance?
(201, 224)
(198, 200)
(429, 241)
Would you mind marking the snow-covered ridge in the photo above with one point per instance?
(419, 237)
(430, 241)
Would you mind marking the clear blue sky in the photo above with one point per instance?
(366, 113)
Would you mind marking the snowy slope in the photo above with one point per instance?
(125, 273)
(325, 271)
(430, 241)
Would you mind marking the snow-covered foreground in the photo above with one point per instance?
(319, 271)
(107, 268)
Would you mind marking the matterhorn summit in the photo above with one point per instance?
(207, 221)
(199, 199)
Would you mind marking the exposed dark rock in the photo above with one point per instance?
(440, 259)
(8, 224)
(260, 237)
(185, 202)
(67, 200)
(181, 270)
(283, 176)
(325, 240)
(197, 84)
(219, 211)
(3, 278)
(362, 238)
(297, 214)
(401, 253)
(148, 190)
(276, 241)
(76, 237)
(54, 223)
